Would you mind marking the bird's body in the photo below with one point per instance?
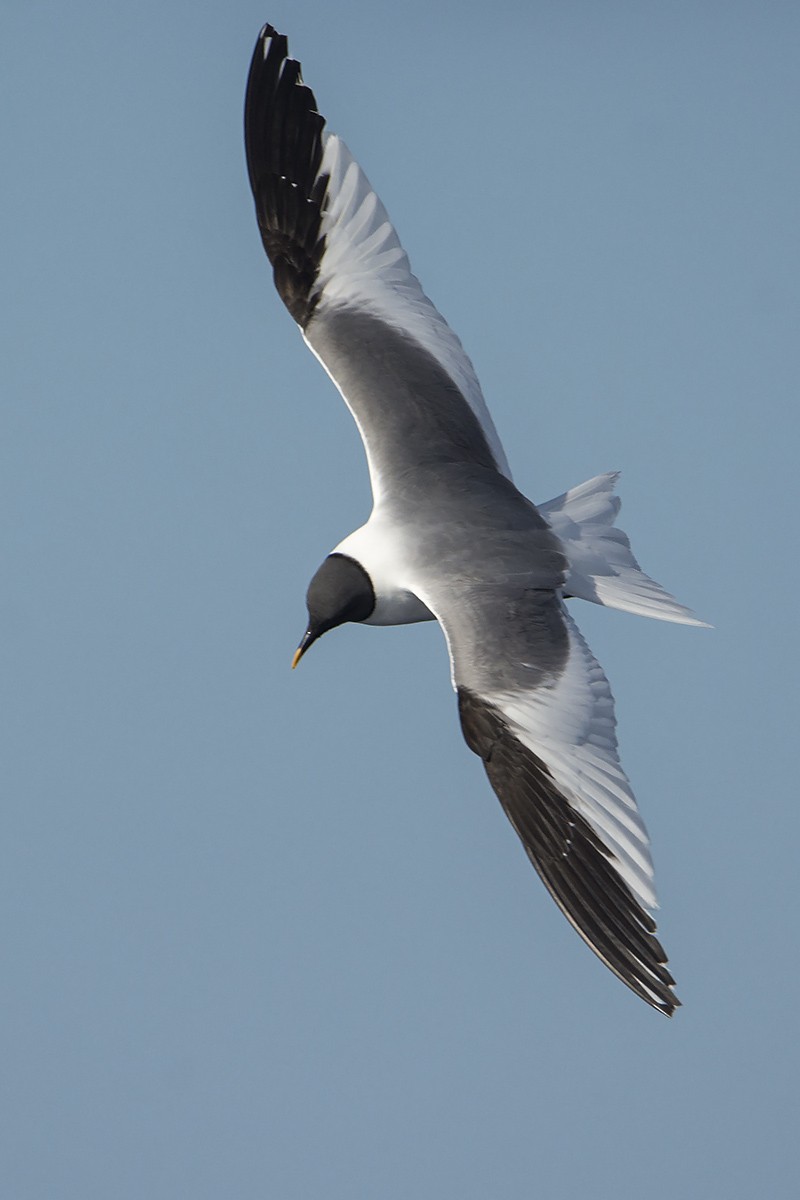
(451, 538)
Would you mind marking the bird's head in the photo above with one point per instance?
(340, 591)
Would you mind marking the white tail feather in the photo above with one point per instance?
(602, 567)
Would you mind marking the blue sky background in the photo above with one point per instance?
(269, 934)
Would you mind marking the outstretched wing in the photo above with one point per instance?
(537, 708)
(342, 273)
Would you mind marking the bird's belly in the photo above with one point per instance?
(398, 607)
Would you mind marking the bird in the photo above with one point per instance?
(451, 539)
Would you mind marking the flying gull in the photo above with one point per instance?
(451, 539)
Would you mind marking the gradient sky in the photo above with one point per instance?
(268, 934)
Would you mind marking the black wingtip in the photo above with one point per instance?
(283, 145)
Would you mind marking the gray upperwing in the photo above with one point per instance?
(513, 654)
(569, 857)
(410, 413)
(341, 271)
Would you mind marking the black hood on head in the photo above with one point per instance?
(340, 591)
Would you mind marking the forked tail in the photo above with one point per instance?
(602, 567)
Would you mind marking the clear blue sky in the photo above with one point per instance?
(269, 934)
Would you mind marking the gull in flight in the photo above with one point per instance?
(451, 539)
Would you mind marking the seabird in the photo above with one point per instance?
(451, 539)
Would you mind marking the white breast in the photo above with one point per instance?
(378, 546)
